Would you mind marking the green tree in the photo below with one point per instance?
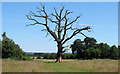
(104, 48)
(91, 53)
(88, 49)
(89, 41)
(113, 52)
(7, 46)
(77, 44)
(118, 52)
(12, 50)
(78, 47)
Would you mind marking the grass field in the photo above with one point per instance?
(43, 65)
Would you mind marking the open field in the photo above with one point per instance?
(43, 65)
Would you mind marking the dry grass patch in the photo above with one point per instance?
(69, 65)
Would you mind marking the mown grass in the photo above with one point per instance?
(42, 65)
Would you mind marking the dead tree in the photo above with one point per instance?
(62, 25)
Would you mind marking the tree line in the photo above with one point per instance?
(86, 49)
(89, 49)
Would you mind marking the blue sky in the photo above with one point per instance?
(102, 15)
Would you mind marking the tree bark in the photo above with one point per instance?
(59, 58)
(59, 53)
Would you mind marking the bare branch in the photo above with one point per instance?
(46, 18)
(55, 16)
(62, 27)
(66, 13)
(53, 21)
(33, 14)
(39, 9)
(43, 9)
(65, 50)
(55, 28)
(66, 20)
(44, 30)
(53, 34)
(47, 34)
(49, 30)
(36, 22)
(66, 46)
(76, 32)
(50, 39)
(70, 28)
(61, 12)
(83, 34)
(56, 12)
(73, 21)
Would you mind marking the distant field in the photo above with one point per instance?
(43, 65)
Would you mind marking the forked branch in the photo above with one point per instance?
(76, 32)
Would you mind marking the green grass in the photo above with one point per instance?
(43, 65)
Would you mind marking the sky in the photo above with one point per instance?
(103, 16)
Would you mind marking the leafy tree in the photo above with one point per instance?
(7, 46)
(88, 49)
(78, 47)
(104, 48)
(91, 53)
(97, 53)
(12, 50)
(89, 41)
(118, 52)
(113, 52)
(62, 25)
(80, 52)
(77, 44)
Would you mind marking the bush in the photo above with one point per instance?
(73, 56)
(47, 56)
(64, 56)
(38, 57)
(69, 56)
(50, 56)
(33, 58)
(53, 56)
(26, 58)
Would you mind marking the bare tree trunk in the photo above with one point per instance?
(59, 58)
(59, 53)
